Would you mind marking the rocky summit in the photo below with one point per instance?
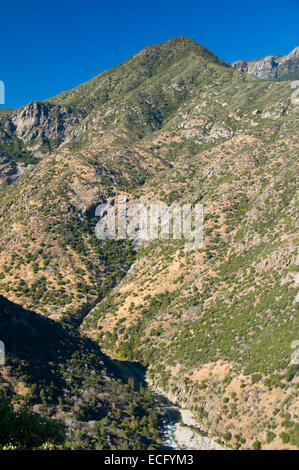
(213, 328)
(272, 67)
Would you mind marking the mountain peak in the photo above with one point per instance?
(294, 52)
(177, 48)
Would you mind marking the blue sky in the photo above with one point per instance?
(48, 47)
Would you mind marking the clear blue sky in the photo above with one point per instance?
(48, 47)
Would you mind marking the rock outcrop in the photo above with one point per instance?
(272, 67)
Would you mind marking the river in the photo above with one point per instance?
(172, 418)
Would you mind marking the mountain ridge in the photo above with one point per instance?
(272, 67)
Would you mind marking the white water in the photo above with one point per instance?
(173, 416)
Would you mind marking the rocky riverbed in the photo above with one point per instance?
(187, 438)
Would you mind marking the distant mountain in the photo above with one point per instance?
(272, 67)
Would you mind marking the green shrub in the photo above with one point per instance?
(24, 429)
